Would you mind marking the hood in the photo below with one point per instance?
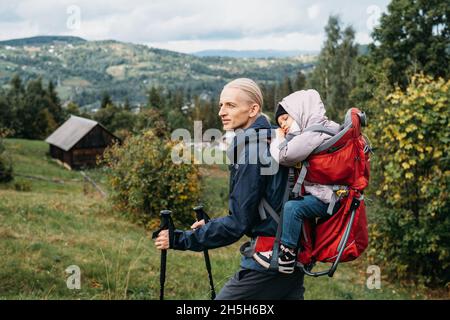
(260, 123)
(305, 107)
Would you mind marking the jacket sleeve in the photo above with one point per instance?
(243, 205)
(299, 148)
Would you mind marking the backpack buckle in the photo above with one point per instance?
(340, 191)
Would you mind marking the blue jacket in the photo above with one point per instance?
(247, 187)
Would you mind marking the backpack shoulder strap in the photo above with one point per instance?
(320, 128)
(264, 206)
(330, 142)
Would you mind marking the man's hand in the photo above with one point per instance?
(162, 241)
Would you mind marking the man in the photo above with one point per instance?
(240, 108)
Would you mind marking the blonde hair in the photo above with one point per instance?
(250, 88)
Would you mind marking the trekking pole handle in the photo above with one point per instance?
(201, 214)
(165, 218)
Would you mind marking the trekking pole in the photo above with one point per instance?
(166, 224)
(201, 215)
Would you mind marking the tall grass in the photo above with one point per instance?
(53, 226)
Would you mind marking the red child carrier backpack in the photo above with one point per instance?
(342, 161)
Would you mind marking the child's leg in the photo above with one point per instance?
(294, 213)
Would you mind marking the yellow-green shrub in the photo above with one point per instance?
(411, 231)
(144, 180)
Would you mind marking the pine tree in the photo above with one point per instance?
(155, 98)
(286, 87)
(106, 100)
(127, 105)
(300, 81)
(54, 104)
(334, 76)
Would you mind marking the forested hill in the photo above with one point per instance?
(83, 70)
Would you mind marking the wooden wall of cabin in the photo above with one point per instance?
(92, 145)
(86, 157)
(56, 153)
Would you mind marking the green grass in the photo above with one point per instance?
(53, 226)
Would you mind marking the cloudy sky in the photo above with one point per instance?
(191, 25)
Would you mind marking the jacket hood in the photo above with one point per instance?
(305, 107)
(259, 132)
(260, 123)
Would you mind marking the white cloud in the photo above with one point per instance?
(184, 24)
(290, 41)
(313, 11)
(363, 38)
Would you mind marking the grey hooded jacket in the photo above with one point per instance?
(307, 109)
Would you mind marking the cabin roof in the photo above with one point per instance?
(71, 131)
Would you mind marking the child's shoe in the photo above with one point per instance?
(286, 259)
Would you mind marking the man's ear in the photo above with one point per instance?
(254, 110)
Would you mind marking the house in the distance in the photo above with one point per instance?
(78, 142)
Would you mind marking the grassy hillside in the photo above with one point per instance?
(84, 69)
(62, 222)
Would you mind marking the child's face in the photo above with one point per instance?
(285, 122)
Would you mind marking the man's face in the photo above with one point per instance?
(236, 112)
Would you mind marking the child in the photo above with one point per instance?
(296, 112)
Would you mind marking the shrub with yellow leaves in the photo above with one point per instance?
(412, 230)
(144, 180)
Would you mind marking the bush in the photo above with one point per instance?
(6, 170)
(24, 186)
(144, 180)
(412, 232)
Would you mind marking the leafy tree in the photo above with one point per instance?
(153, 119)
(6, 112)
(414, 36)
(34, 121)
(73, 109)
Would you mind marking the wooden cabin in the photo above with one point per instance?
(78, 142)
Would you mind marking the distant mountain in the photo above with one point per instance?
(252, 53)
(41, 40)
(83, 70)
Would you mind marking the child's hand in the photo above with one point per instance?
(281, 133)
